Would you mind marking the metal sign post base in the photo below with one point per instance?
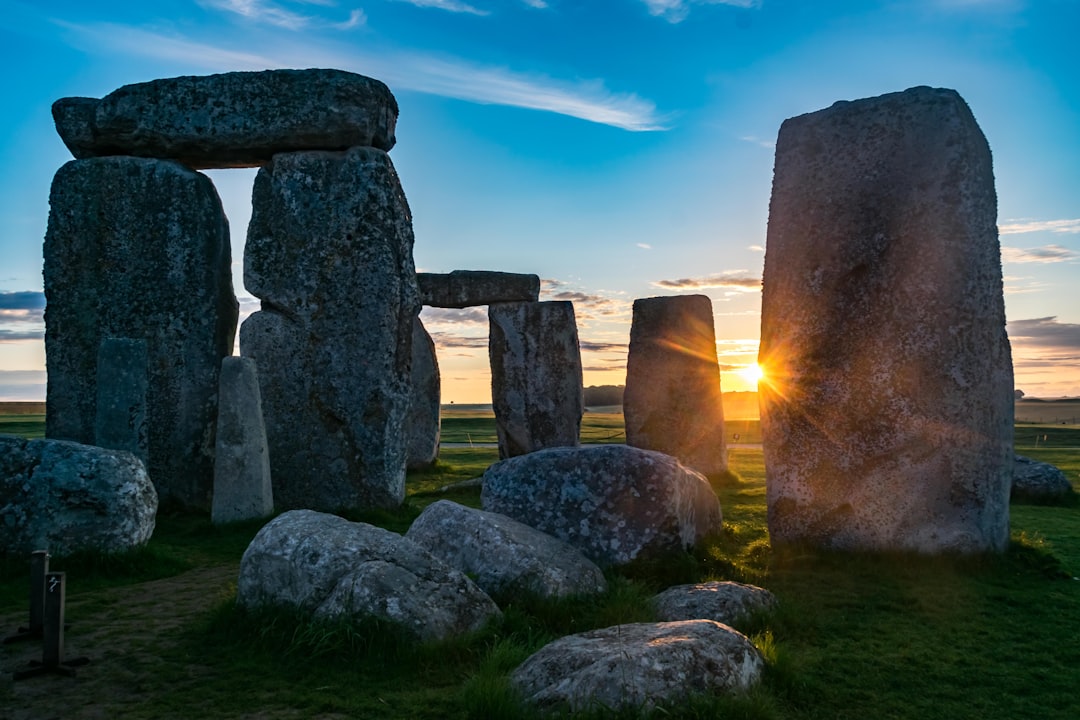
(52, 655)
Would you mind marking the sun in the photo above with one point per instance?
(753, 374)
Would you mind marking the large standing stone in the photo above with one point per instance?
(329, 253)
(242, 488)
(139, 249)
(536, 388)
(468, 288)
(236, 119)
(672, 402)
(424, 409)
(888, 412)
(614, 503)
(63, 496)
(120, 422)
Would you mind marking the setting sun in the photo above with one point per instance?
(752, 373)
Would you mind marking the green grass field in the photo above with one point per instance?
(856, 636)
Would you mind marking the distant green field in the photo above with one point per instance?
(30, 426)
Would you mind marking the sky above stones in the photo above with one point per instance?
(616, 148)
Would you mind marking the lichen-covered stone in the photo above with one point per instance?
(120, 417)
(887, 417)
(1034, 480)
(331, 567)
(422, 447)
(62, 496)
(235, 119)
(672, 402)
(723, 601)
(536, 388)
(614, 503)
(329, 254)
(468, 288)
(638, 665)
(139, 249)
(502, 555)
(242, 488)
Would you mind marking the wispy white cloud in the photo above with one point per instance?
(740, 283)
(277, 15)
(756, 248)
(1044, 254)
(1022, 285)
(538, 4)
(675, 11)
(755, 140)
(455, 78)
(1016, 227)
(448, 5)
(644, 246)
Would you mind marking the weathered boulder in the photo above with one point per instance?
(638, 665)
(329, 253)
(422, 443)
(502, 555)
(725, 602)
(139, 249)
(242, 488)
(467, 288)
(1034, 480)
(536, 389)
(672, 402)
(63, 496)
(887, 416)
(614, 503)
(236, 119)
(120, 417)
(332, 567)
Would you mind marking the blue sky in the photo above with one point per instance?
(618, 149)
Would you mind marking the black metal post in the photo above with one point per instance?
(39, 567)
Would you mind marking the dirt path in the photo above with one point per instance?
(123, 631)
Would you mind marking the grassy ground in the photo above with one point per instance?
(856, 636)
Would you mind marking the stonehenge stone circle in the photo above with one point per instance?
(236, 119)
(887, 416)
(329, 254)
(120, 417)
(139, 248)
(242, 488)
(468, 288)
(422, 443)
(672, 402)
(536, 376)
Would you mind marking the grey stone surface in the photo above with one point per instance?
(888, 419)
(242, 488)
(120, 413)
(332, 567)
(62, 496)
(502, 555)
(236, 119)
(468, 288)
(139, 249)
(614, 503)
(422, 447)
(329, 254)
(536, 389)
(723, 601)
(638, 665)
(1036, 480)
(672, 402)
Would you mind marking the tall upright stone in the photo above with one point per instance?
(536, 379)
(424, 407)
(887, 415)
(139, 248)
(672, 402)
(120, 418)
(329, 253)
(242, 487)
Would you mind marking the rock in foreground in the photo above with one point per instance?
(62, 497)
(724, 602)
(1034, 480)
(614, 503)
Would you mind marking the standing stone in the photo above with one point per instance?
(469, 288)
(235, 119)
(329, 253)
(887, 416)
(423, 421)
(242, 487)
(120, 421)
(536, 388)
(672, 402)
(139, 249)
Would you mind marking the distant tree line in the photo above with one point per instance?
(596, 395)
